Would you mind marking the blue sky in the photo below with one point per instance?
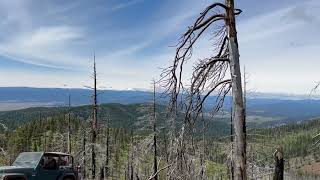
(51, 43)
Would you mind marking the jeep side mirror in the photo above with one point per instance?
(41, 163)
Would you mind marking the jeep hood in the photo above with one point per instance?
(15, 169)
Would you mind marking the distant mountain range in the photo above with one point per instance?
(59, 96)
(266, 109)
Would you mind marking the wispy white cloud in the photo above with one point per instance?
(55, 44)
(48, 36)
(45, 46)
(125, 4)
(278, 48)
(280, 21)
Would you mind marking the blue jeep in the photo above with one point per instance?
(40, 166)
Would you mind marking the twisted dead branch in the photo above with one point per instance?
(209, 77)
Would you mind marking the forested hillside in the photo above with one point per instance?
(125, 128)
(43, 129)
(299, 143)
(120, 116)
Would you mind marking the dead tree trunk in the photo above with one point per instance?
(107, 150)
(132, 158)
(232, 144)
(155, 161)
(84, 153)
(101, 173)
(202, 155)
(128, 165)
(245, 103)
(166, 147)
(237, 97)
(279, 164)
(94, 123)
(69, 125)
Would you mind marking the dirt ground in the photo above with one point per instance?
(313, 168)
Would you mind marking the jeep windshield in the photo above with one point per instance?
(28, 159)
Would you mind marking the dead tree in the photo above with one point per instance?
(94, 122)
(107, 149)
(202, 156)
(245, 98)
(155, 161)
(69, 123)
(131, 162)
(279, 164)
(84, 153)
(232, 145)
(209, 76)
(149, 145)
(238, 107)
(316, 137)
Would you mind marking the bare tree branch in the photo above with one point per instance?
(155, 174)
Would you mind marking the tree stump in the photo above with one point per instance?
(279, 164)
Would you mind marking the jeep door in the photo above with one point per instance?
(48, 169)
(48, 174)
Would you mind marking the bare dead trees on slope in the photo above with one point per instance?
(142, 148)
(210, 76)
